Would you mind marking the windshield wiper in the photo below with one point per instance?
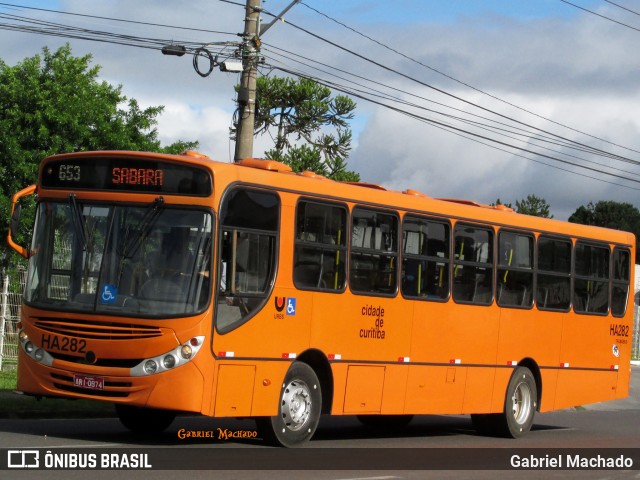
(132, 244)
(79, 224)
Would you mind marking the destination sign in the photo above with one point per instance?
(126, 175)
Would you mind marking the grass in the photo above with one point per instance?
(8, 380)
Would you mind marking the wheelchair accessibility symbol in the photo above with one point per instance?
(291, 306)
(108, 294)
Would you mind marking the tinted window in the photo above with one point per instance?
(249, 227)
(591, 284)
(374, 252)
(320, 246)
(473, 265)
(620, 287)
(425, 262)
(553, 288)
(515, 270)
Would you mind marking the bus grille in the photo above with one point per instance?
(111, 389)
(96, 330)
(99, 362)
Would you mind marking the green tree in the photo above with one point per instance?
(304, 110)
(53, 103)
(533, 205)
(500, 202)
(610, 214)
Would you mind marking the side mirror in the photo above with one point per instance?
(14, 222)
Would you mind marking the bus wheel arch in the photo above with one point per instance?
(320, 365)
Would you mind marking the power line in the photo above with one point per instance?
(443, 92)
(623, 8)
(43, 27)
(460, 81)
(72, 32)
(367, 97)
(366, 90)
(477, 137)
(600, 15)
(117, 19)
(492, 127)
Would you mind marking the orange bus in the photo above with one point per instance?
(174, 283)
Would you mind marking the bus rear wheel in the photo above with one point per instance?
(298, 410)
(519, 406)
(142, 420)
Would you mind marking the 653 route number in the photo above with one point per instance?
(64, 344)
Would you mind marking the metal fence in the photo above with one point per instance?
(10, 302)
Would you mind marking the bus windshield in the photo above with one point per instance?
(146, 261)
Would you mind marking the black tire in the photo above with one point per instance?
(520, 405)
(145, 421)
(298, 410)
(385, 422)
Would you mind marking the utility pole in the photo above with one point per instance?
(250, 48)
(247, 91)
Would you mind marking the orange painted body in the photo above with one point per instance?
(379, 354)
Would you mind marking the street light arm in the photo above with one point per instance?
(264, 28)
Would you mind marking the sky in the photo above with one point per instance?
(539, 73)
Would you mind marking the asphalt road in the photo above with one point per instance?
(339, 441)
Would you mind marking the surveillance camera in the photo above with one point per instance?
(231, 66)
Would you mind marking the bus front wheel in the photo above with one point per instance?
(300, 404)
(142, 420)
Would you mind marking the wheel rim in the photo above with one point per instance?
(521, 403)
(296, 404)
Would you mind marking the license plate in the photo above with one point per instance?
(86, 381)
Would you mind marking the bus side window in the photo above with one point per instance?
(374, 252)
(515, 270)
(473, 265)
(320, 246)
(591, 283)
(553, 274)
(620, 281)
(249, 231)
(425, 264)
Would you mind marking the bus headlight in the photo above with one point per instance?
(169, 361)
(178, 356)
(150, 367)
(186, 351)
(36, 353)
